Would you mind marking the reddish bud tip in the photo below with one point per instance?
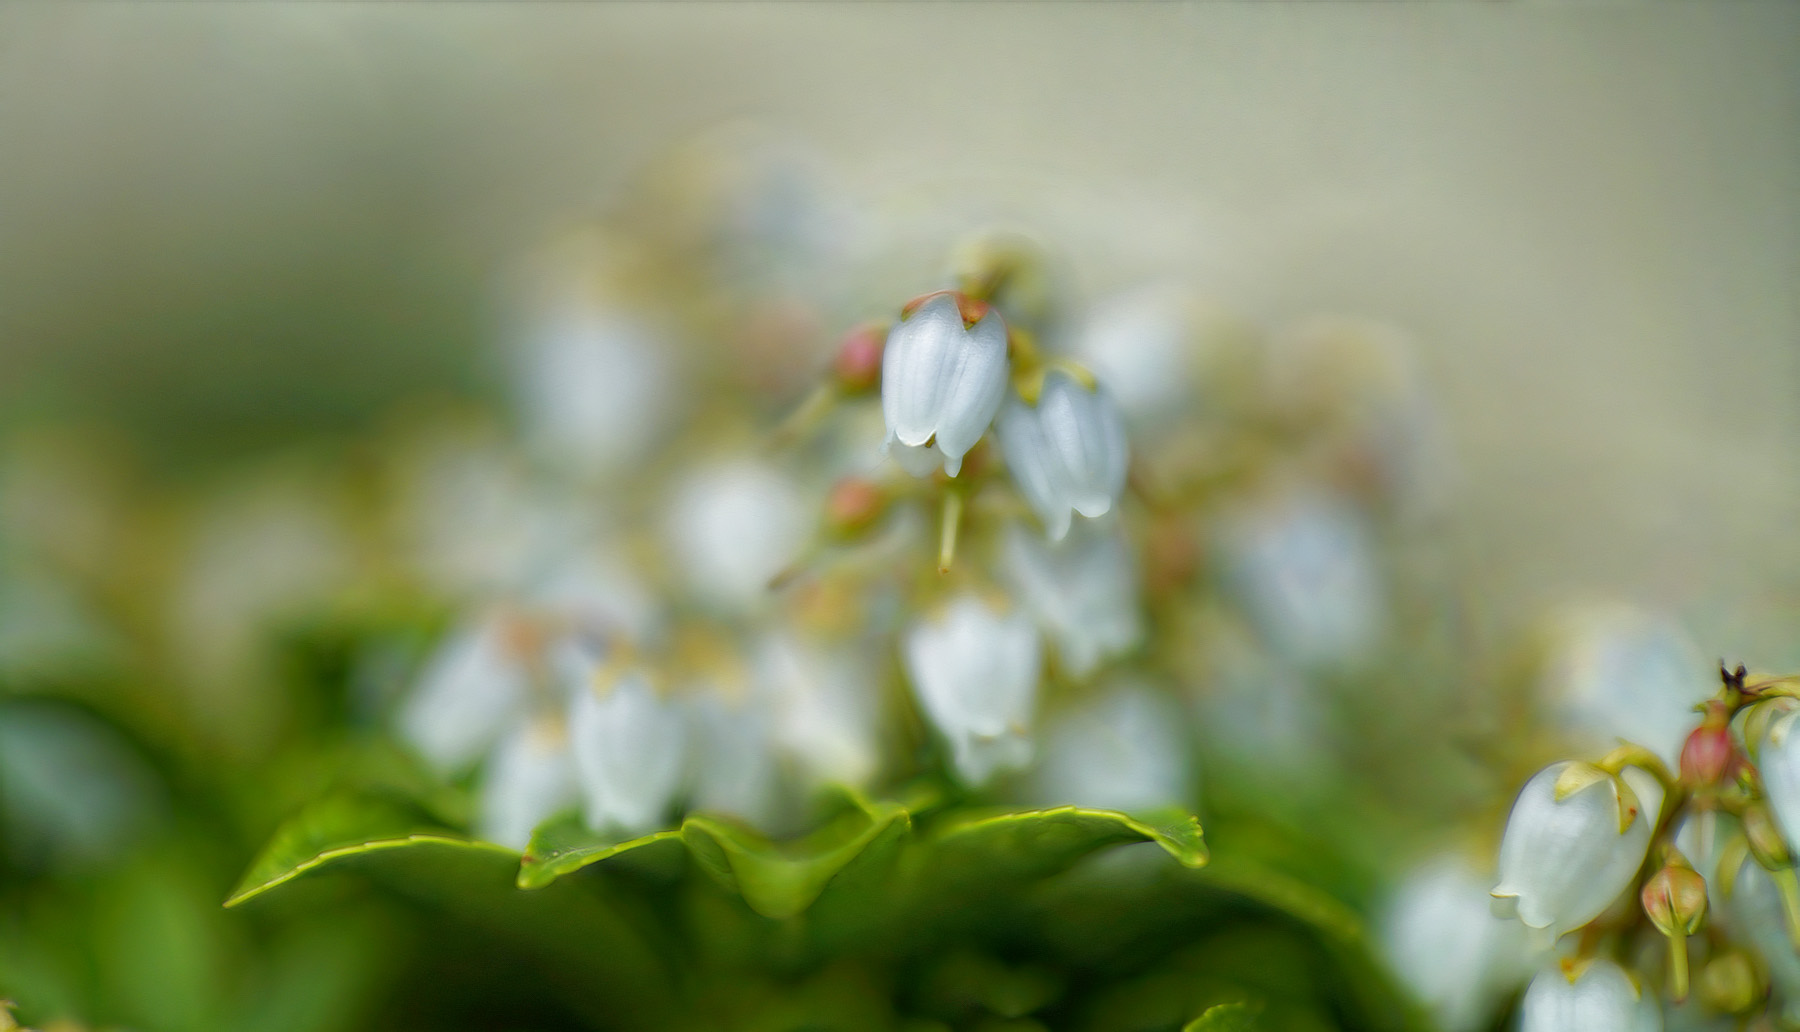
(1707, 755)
(971, 309)
(853, 504)
(1675, 899)
(857, 364)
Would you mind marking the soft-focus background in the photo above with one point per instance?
(244, 249)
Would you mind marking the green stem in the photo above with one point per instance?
(953, 507)
(1790, 900)
(1678, 966)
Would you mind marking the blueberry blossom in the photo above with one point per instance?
(1572, 845)
(1443, 940)
(529, 778)
(1125, 751)
(1082, 591)
(943, 376)
(1067, 452)
(470, 693)
(1778, 758)
(1597, 998)
(975, 673)
(630, 746)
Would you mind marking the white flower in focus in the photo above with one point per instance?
(630, 747)
(1778, 760)
(470, 692)
(733, 527)
(1562, 863)
(1124, 751)
(975, 673)
(942, 380)
(1617, 672)
(1083, 591)
(1067, 453)
(529, 778)
(1602, 999)
(1441, 937)
(732, 759)
(824, 710)
(1307, 575)
(593, 386)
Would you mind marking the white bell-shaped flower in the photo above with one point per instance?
(824, 707)
(1307, 574)
(732, 759)
(594, 385)
(470, 693)
(975, 673)
(1141, 343)
(1083, 592)
(733, 527)
(1778, 760)
(1125, 751)
(1601, 999)
(1754, 913)
(1618, 672)
(1441, 937)
(1564, 861)
(630, 746)
(942, 380)
(1067, 453)
(529, 778)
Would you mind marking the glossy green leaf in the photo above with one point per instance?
(1034, 843)
(1226, 1017)
(565, 845)
(782, 880)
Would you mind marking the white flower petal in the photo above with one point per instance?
(469, 694)
(1566, 861)
(975, 673)
(1601, 1000)
(529, 778)
(1082, 591)
(630, 754)
(918, 368)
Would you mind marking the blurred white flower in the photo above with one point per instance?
(1778, 760)
(732, 757)
(824, 708)
(975, 673)
(529, 778)
(630, 745)
(1067, 453)
(1307, 575)
(1563, 862)
(1122, 751)
(733, 527)
(1441, 937)
(1140, 344)
(1602, 999)
(470, 693)
(1617, 672)
(941, 383)
(1754, 912)
(593, 386)
(1083, 591)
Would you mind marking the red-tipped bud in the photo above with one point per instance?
(853, 504)
(1675, 899)
(857, 365)
(971, 309)
(1706, 757)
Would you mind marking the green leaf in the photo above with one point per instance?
(335, 829)
(782, 880)
(564, 845)
(1226, 1017)
(1036, 843)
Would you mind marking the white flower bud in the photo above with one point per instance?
(630, 748)
(1563, 862)
(529, 778)
(1602, 999)
(1778, 759)
(469, 694)
(1125, 751)
(941, 383)
(1441, 937)
(975, 673)
(1083, 592)
(1067, 453)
